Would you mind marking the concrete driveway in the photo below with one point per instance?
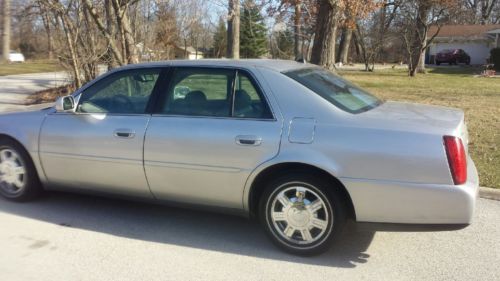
(14, 89)
(75, 237)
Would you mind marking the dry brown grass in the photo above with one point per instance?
(29, 67)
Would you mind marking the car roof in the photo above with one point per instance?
(276, 65)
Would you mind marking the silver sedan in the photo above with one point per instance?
(289, 143)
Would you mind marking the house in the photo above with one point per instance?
(188, 52)
(475, 40)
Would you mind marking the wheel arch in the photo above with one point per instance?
(38, 170)
(258, 184)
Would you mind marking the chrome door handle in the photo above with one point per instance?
(249, 140)
(124, 133)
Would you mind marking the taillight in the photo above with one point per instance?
(457, 159)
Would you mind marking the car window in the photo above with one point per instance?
(335, 89)
(214, 92)
(247, 101)
(199, 92)
(125, 92)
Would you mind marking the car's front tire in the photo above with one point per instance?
(18, 178)
(302, 214)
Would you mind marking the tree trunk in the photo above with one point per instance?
(345, 44)
(298, 13)
(233, 30)
(419, 38)
(48, 30)
(6, 30)
(110, 23)
(323, 51)
(70, 39)
(111, 41)
(124, 22)
(360, 48)
(421, 64)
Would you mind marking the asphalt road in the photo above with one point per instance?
(75, 237)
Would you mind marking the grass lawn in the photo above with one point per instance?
(29, 67)
(452, 87)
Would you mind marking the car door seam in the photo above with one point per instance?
(143, 156)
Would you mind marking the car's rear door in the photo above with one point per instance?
(213, 127)
(100, 146)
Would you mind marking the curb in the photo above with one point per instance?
(489, 193)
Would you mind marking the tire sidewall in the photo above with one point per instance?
(32, 186)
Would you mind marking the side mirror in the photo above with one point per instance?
(65, 104)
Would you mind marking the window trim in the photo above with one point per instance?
(163, 94)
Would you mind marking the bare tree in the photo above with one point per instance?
(481, 10)
(370, 35)
(417, 17)
(48, 29)
(121, 12)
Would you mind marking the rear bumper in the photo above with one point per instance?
(397, 202)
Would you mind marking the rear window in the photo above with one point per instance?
(338, 91)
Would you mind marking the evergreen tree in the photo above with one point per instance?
(220, 39)
(253, 32)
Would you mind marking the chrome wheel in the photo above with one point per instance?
(300, 215)
(12, 172)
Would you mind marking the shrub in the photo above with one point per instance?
(495, 58)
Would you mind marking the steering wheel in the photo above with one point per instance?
(123, 103)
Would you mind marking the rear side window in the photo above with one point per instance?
(214, 92)
(335, 90)
(248, 103)
(200, 92)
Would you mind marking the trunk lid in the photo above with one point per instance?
(418, 118)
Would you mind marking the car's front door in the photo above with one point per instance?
(213, 128)
(100, 146)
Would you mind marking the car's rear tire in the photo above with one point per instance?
(302, 214)
(438, 63)
(18, 177)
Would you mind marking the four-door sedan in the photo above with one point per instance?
(290, 143)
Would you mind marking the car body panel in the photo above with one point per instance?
(417, 203)
(205, 165)
(82, 150)
(390, 159)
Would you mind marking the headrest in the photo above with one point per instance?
(242, 99)
(195, 97)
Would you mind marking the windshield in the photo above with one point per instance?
(335, 90)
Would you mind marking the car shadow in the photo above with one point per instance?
(182, 227)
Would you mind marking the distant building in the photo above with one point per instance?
(188, 52)
(476, 40)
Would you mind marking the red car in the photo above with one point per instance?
(454, 56)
